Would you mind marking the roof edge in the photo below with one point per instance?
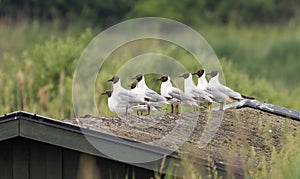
(266, 107)
(17, 116)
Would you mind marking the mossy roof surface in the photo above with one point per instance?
(229, 137)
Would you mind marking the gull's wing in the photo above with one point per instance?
(200, 95)
(153, 96)
(229, 92)
(217, 95)
(179, 95)
(130, 97)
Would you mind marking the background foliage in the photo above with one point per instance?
(38, 78)
(191, 12)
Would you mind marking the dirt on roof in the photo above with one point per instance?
(201, 134)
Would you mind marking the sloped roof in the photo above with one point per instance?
(243, 120)
(55, 132)
(244, 124)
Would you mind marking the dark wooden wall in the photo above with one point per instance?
(22, 158)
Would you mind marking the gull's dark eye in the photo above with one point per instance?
(164, 78)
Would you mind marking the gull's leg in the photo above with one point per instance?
(209, 106)
(172, 108)
(196, 109)
(148, 109)
(221, 106)
(177, 110)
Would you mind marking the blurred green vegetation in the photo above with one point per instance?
(221, 12)
(39, 77)
(107, 12)
(260, 51)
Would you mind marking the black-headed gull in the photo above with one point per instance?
(175, 96)
(143, 108)
(202, 82)
(120, 109)
(152, 97)
(114, 106)
(216, 95)
(214, 81)
(190, 88)
(124, 96)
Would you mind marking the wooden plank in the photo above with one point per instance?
(137, 172)
(111, 169)
(37, 165)
(54, 162)
(20, 158)
(45, 161)
(87, 166)
(70, 162)
(6, 158)
(9, 129)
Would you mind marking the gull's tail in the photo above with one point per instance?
(247, 97)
